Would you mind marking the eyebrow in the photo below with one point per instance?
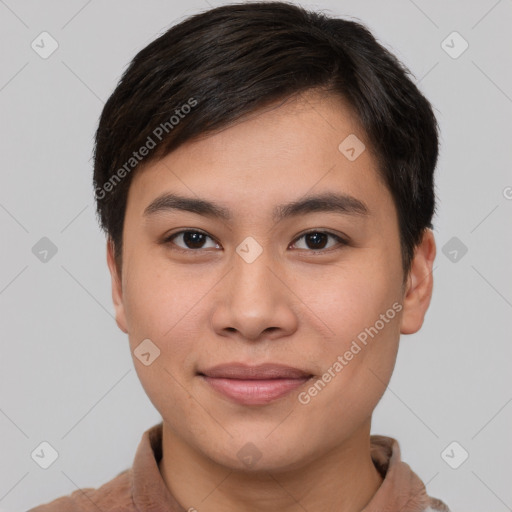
(328, 202)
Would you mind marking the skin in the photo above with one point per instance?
(207, 306)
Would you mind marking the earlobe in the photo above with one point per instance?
(117, 292)
(420, 283)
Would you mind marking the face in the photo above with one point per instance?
(315, 285)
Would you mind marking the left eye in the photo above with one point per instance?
(314, 240)
(318, 239)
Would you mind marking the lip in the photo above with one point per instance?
(254, 385)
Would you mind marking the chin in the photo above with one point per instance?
(259, 453)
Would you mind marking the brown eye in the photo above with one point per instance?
(318, 240)
(190, 240)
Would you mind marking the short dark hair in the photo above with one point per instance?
(215, 67)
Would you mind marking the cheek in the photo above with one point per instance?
(357, 366)
(349, 298)
(161, 306)
(362, 308)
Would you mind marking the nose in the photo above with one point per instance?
(253, 302)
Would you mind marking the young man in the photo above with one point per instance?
(265, 178)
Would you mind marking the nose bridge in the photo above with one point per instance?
(251, 276)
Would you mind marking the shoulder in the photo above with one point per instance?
(113, 496)
(401, 486)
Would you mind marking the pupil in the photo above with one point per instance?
(315, 238)
(193, 239)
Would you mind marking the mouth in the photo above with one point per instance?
(254, 385)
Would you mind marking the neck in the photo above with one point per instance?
(345, 479)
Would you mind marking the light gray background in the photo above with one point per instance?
(66, 373)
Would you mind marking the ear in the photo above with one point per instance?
(117, 292)
(419, 287)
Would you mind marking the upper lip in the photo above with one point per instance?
(262, 371)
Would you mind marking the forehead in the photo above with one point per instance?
(310, 143)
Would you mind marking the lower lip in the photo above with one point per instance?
(254, 392)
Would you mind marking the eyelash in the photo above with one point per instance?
(341, 241)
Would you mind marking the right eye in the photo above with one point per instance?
(192, 240)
